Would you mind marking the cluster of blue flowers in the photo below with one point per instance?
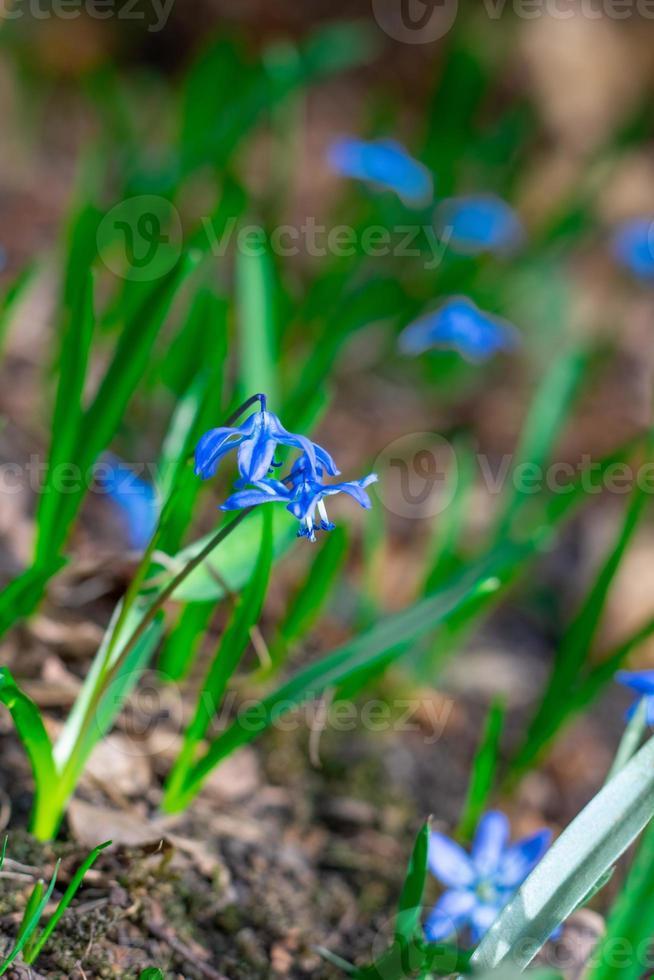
(302, 490)
(470, 225)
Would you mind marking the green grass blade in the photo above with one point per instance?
(152, 973)
(631, 922)
(547, 416)
(33, 736)
(358, 658)
(12, 297)
(228, 656)
(580, 857)
(256, 302)
(182, 644)
(575, 647)
(67, 415)
(36, 947)
(484, 769)
(631, 739)
(31, 924)
(22, 595)
(409, 908)
(308, 603)
(33, 902)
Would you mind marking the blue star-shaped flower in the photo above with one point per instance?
(303, 496)
(478, 223)
(461, 326)
(385, 164)
(479, 884)
(633, 246)
(135, 499)
(641, 681)
(257, 439)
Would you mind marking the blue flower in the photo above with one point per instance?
(633, 246)
(479, 223)
(479, 884)
(257, 439)
(304, 495)
(461, 326)
(135, 499)
(385, 164)
(641, 681)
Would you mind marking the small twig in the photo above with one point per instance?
(160, 931)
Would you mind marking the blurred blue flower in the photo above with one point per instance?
(384, 163)
(135, 499)
(478, 223)
(641, 681)
(304, 495)
(461, 326)
(633, 246)
(257, 439)
(479, 884)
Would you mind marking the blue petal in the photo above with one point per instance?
(135, 499)
(385, 163)
(255, 454)
(355, 488)
(265, 492)
(451, 911)
(633, 246)
(479, 223)
(521, 858)
(491, 838)
(638, 680)
(211, 448)
(449, 862)
(461, 326)
(481, 919)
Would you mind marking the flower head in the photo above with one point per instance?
(642, 682)
(385, 164)
(633, 246)
(479, 223)
(135, 500)
(256, 440)
(304, 495)
(479, 884)
(461, 326)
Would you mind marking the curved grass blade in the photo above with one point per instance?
(34, 948)
(409, 907)
(580, 857)
(34, 738)
(30, 924)
(484, 768)
(256, 302)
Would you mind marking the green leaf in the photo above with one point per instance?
(583, 853)
(182, 644)
(75, 882)
(548, 414)
(256, 301)
(66, 419)
(631, 922)
(12, 297)
(409, 907)
(306, 606)
(232, 646)
(22, 596)
(152, 973)
(558, 699)
(34, 738)
(356, 659)
(484, 768)
(28, 927)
